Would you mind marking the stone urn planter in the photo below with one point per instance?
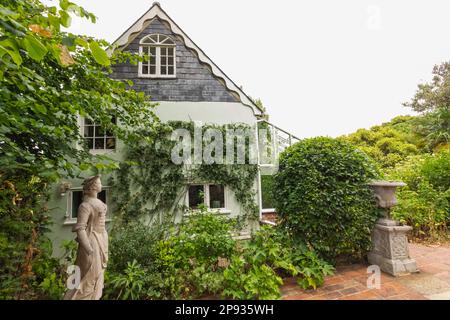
(389, 239)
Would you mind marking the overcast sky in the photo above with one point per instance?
(321, 67)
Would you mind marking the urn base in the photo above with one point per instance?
(394, 267)
(390, 248)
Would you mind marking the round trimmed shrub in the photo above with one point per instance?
(321, 195)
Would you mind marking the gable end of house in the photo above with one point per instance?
(197, 78)
(194, 80)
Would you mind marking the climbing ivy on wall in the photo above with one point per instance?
(149, 183)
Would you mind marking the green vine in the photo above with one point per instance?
(149, 184)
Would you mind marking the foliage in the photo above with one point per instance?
(43, 276)
(126, 245)
(322, 196)
(202, 239)
(48, 78)
(49, 273)
(432, 100)
(389, 143)
(251, 282)
(23, 223)
(436, 169)
(130, 284)
(256, 272)
(258, 102)
(199, 257)
(403, 150)
(424, 203)
(267, 182)
(149, 182)
(182, 262)
(190, 256)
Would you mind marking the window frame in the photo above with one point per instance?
(68, 217)
(158, 47)
(206, 200)
(96, 151)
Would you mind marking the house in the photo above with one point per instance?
(188, 86)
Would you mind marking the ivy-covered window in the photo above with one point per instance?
(161, 53)
(210, 195)
(216, 196)
(75, 198)
(96, 137)
(196, 196)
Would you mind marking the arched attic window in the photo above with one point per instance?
(161, 62)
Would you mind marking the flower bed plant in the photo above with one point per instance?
(199, 257)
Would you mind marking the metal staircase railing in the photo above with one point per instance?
(277, 141)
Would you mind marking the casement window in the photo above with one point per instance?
(161, 57)
(212, 196)
(97, 138)
(75, 198)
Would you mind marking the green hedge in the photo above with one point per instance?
(322, 196)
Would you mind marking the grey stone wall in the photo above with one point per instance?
(194, 80)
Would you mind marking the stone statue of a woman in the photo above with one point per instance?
(92, 238)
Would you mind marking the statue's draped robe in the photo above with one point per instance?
(91, 218)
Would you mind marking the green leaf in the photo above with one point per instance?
(10, 47)
(54, 22)
(36, 50)
(68, 41)
(40, 108)
(75, 9)
(99, 54)
(93, 17)
(81, 42)
(64, 4)
(84, 166)
(65, 18)
(13, 29)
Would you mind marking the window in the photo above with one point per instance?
(216, 197)
(98, 138)
(211, 195)
(196, 196)
(75, 198)
(161, 62)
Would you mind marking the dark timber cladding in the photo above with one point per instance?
(194, 80)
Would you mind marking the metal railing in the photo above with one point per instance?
(279, 140)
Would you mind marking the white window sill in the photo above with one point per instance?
(156, 77)
(102, 151)
(241, 235)
(71, 222)
(224, 212)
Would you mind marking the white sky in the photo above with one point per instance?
(321, 67)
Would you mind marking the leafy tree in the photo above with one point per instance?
(48, 79)
(389, 143)
(432, 100)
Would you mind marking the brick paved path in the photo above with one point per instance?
(350, 282)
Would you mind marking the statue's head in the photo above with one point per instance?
(92, 184)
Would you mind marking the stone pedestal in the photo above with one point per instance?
(390, 248)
